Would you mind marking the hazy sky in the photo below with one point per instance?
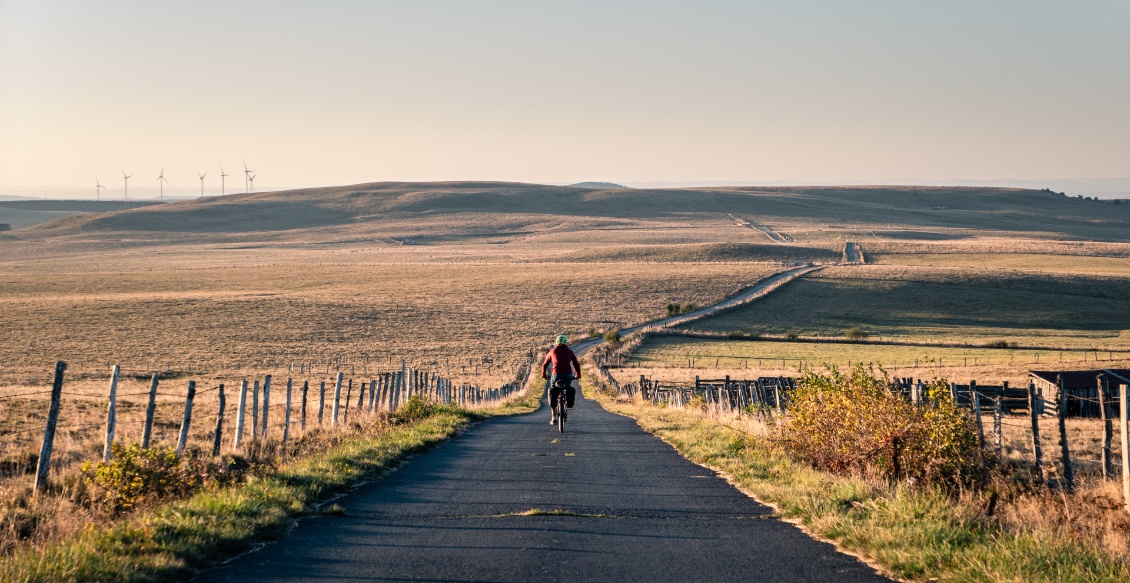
(650, 91)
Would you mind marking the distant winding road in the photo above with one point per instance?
(756, 291)
(609, 502)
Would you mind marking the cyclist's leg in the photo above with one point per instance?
(554, 394)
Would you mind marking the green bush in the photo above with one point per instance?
(855, 333)
(136, 476)
(612, 336)
(735, 334)
(689, 307)
(673, 309)
(415, 408)
(854, 423)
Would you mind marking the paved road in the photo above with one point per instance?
(760, 289)
(636, 511)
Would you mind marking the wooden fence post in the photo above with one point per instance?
(266, 404)
(976, 400)
(219, 432)
(372, 394)
(286, 415)
(240, 413)
(111, 413)
(255, 411)
(401, 381)
(337, 398)
(997, 433)
(1108, 426)
(1122, 430)
(1033, 409)
(302, 416)
(348, 398)
(186, 421)
(44, 463)
(321, 402)
(1064, 451)
(150, 409)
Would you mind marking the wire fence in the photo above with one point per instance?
(67, 426)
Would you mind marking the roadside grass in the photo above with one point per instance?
(907, 532)
(178, 538)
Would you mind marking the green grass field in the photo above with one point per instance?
(943, 306)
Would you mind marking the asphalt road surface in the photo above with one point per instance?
(630, 508)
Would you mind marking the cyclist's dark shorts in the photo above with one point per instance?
(554, 392)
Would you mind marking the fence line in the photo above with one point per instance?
(387, 393)
(767, 398)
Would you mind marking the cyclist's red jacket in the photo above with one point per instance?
(561, 357)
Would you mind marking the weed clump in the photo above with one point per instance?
(854, 423)
(855, 333)
(612, 336)
(136, 476)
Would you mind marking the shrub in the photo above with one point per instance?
(855, 333)
(135, 476)
(1001, 344)
(415, 408)
(673, 309)
(854, 423)
(791, 336)
(735, 334)
(612, 336)
(689, 307)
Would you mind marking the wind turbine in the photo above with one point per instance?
(201, 183)
(98, 188)
(246, 180)
(161, 181)
(126, 180)
(251, 181)
(222, 177)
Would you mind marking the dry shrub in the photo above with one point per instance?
(135, 476)
(854, 423)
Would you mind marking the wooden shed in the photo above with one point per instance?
(1082, 388)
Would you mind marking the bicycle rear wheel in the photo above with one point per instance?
(561, 414)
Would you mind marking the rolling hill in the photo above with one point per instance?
(450, 207)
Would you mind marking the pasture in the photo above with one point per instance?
(686, 357)
(922, 304)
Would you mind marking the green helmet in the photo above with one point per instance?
(563, 339)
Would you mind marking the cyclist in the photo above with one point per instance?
(563, 361)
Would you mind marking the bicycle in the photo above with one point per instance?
(561, 387)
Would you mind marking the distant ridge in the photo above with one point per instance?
(598, 185)
(379, 208)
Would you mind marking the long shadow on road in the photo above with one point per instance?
(617, 504)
